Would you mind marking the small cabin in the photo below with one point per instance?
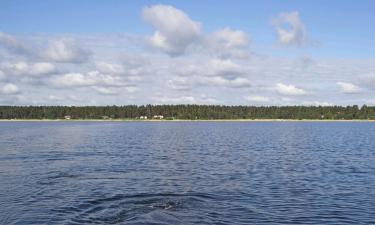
(67, 117)
(158, 117)
(143, 117)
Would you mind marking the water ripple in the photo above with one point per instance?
(187, 173)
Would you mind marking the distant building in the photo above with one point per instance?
(105, 117)
(143, 117)
(67, 117)
(158, 117)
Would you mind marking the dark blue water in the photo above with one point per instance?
(187, 173)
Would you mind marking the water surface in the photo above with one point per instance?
(187, 173)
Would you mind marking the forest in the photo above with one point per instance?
(189, 112)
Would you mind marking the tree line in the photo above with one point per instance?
(190, 112)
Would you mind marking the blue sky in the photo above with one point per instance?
(342, 28)
(268, 52)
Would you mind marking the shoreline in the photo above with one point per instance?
(180, 120)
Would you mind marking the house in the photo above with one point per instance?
(143, 117)
(105, 117)
(158, 117)
(67, 117)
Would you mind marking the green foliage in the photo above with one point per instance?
(192, 112)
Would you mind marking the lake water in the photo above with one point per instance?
(187, 173)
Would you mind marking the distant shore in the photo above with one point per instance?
(180, 120)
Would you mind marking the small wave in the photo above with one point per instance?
(55, 177)
(140, 208)
(63, 175)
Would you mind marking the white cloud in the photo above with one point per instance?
(348, 88)
(306, 61)
(65, 50)
(223, 68)
(134, 61)
(316, 103)
(106, 91)
(92, 78)
(2, 75)
(290, 30)
(12, 44)
(61, 100)
(209, 72)
(289, 90)
(217, 65)
(25, 69)
(42, 68)
(110, 68)
(188, 83)
(114, 90)
(184, 100)
(126, 69)
(238, 82)
(228, 43)
(175, 31)
(73, 80)
(257, 98)
(54, 98)
(368, 80)
(370, 102)
(133, 67)
(10, 89)
(181, 83)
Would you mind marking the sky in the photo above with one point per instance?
(113, 52)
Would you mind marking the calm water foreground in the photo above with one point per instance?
(187, 173)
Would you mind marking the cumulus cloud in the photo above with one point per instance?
(66, 98)
(174, 30)
(228, 43)
(110, 68)
(257, 99)
(12, 44)
(74, 80)
(238, 82)
(27, 69)
(111, 90)
(290, 30)
(370, 102)
(224, 73)
(202, 99)
(10, 89)
(316, 103)
(184, 84)
(65, 50)
(209, 72)
(215, 64)
(368, 80)
(225, 68)
(106, 91)
(348, 88)
(92, 78)
(306, 61)
(2, 75)
(181, 83)
(134, 67)
(285, 89)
